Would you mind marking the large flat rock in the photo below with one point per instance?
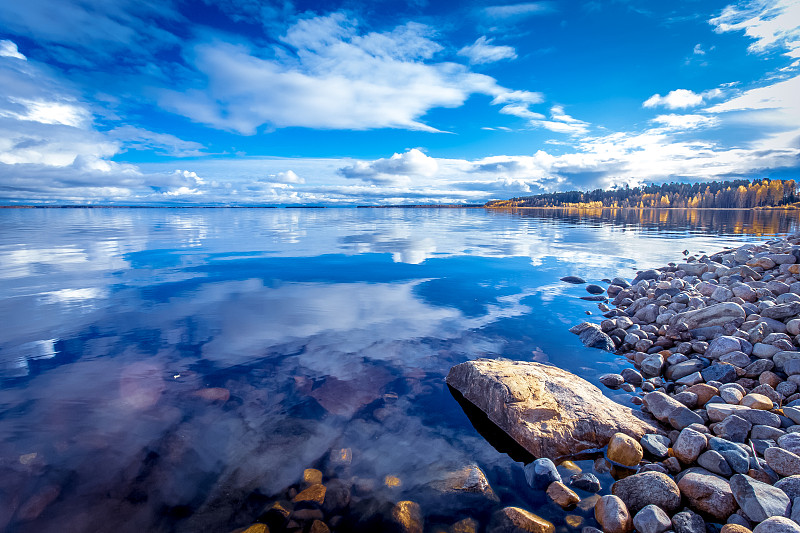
(550, 412)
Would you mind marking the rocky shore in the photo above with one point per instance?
(714, 342)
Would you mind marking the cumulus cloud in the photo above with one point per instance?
(337, 78)
(685, 122)
(396, 169)
(483, 51)
(9, 49)
(770, 23)
(677, 99)
(519, 10)
(286, 177)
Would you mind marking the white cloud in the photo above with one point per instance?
(396, 169)
(336, 79)
(483, 51)
(519, 10)
(698, 50)
(161, 143)
(677, 99)
(287, 177)
(9, 49)
(685, 122)
(770, 23)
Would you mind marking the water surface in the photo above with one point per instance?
(330, 329)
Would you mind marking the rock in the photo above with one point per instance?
(737, 458)
(312, 476)
(790, 486)
(708, 493)
(714, 462)
(38, 503)
(723, 345)
(686, 368)
(624, 450)
(562, 495)
(657, 445)
(791, 442)
(585, 481)
(639, 490)
(467, 525)
(652, 365)
(782, 311)
(548, 411)
(756, 401)
(516, 520)
(595, 289)
(783, 462)
(313, 495)
(722, 372)
(541, 473)
(256, 528)
(777, 524)
(592, 336)
(713, 315)
(704, 392)
(688, 522)
(784, 356)
(213, 394)
(717, 412)
(337, 496)
(651, 519)
(407, 517)
(735, 528)
(733, 428)
(758, 500)
(573, 279)
(736, 358)
(613, 515)
(731, 395)
(632, 376)
(689, 446)
(467, 479)
(611, 380)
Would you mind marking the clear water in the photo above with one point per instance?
(330, 329)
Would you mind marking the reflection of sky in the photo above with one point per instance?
(114, 318)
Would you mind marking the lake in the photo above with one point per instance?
(178, 369)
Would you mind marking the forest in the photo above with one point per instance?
(736, 194)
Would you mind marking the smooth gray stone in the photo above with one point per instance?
(791, 442)
(758, 500)
(540, 473)
(651, 519)
(688, 522)
(585, 481)
(657, 445)
(681, 370)
(733, 428)
(777, 524)
(737, 458)
(790, 485)
(722, 372)
(714, 462)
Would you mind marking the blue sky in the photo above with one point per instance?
(351, 102)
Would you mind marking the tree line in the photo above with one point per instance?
(740, 194)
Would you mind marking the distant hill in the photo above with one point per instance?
(726, 194)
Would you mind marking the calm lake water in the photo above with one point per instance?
(331, 329)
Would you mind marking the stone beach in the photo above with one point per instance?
(714, 364)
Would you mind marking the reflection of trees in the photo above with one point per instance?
(739, 194)
(723, 221)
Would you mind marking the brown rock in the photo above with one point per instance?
(756, 401)
(624, 450)
(708, 493)
(318, 526)
(213, 394)
(36, 504)
(548, 411)
(408, 516)
(516, 520)
(467, 525)
(257, 528)
(562, 495)
(312, 476)
(734, 528)
(640, 490)
(704, 392)
(613, 515)
(315, 494)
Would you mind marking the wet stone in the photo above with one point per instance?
(516, 520)
(611, 380)
(562, 495)
(541, 473)
(624, 450)
(406, 516)
(585, 481)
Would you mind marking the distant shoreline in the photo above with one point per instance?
(410, 206)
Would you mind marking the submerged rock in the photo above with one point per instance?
(550, 412)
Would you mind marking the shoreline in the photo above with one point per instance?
(714, 345)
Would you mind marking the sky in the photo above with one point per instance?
(347, 102)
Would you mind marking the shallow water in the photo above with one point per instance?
(331, 329)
